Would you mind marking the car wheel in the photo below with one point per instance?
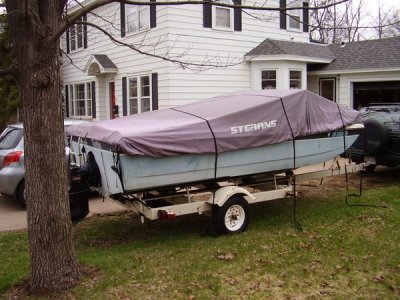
(232, 217)
(21, 193)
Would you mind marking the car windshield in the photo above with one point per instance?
(10, 138)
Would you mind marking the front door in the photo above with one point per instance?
(113, 106)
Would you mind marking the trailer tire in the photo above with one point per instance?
(232, 217)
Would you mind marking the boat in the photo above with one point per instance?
(221, 138)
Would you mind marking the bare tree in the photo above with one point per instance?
(388, 22)
(337, 22)
(36, 27)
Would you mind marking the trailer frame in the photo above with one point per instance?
(231, 196)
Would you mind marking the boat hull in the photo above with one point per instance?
(139, 173)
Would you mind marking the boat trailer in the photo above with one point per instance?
(227, 201)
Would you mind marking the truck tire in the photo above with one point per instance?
(232, 217)
(376, 136)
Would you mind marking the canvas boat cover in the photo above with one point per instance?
(230, 122)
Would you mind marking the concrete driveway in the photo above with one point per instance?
(13, 216)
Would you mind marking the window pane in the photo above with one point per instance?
(145, 104)
(268, 75)
(268, 79)
(72, 38)
(222, 17)
(295, 75)
(71, 101)
(89, 107)
(294, 15)
(145, 82)
(88, 90)
(81, 111)
(79, 35)
(133, 87)
(294, 22)
(295, 80)
(79, 91)
(132, 18)
(143, 17)
(133, 106)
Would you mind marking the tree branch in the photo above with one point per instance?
(72, 17)
(184, 65)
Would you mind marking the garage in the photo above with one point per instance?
(375, 92)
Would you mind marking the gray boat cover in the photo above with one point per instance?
(230, 122)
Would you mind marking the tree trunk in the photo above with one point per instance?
(32, 23)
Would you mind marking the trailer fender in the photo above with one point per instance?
(223, 194)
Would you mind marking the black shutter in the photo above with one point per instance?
(124, 98)
(153, 11)
(84, 19)
(207, 15)
(122, 10)
(305, 17)
(67, 40)
(94, 99)
(282, 4)
(237, 16)
(66, 99)
(154, 90)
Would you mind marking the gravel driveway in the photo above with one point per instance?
(13, 216)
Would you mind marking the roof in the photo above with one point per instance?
(104, 61)
(370, 54)
(100, 64)
(275, 47)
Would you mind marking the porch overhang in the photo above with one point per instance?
(100, 64)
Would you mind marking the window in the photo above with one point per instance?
(223, 16)
(137, 18)
(327, 88)
(139, 94)
(294, 16)
(80, 102)
(77, 36)
(268, 79)
(10, 138)
(295, 79)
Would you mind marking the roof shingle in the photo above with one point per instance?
(275, 47)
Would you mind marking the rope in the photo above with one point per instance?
(297, 225)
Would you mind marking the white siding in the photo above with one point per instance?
(179, 34)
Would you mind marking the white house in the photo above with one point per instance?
(98, 74)
(254, 50)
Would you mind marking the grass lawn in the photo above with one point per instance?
(342, 252)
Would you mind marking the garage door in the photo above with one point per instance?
(375, 92)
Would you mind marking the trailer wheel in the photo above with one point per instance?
(232, 217)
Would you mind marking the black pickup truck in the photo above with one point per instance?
(381, 138)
